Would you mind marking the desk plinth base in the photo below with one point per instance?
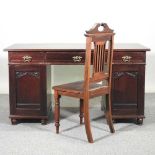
(138, 119)
(15, 119)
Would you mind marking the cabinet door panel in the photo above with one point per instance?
(128, 90)
(27, 89)
(125, 88)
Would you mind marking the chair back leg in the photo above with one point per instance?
(87, 121)
(108, 113)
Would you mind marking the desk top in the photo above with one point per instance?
(71, 47)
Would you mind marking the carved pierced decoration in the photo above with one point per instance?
(119, 74)
(95, 29)
(21, 74)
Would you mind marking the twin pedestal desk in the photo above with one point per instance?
(30, 78)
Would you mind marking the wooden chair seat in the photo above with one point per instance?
(76, 89)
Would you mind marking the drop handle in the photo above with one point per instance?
(126, 58)
(27, 58)
(77, 58)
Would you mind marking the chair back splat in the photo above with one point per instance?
(102, 42)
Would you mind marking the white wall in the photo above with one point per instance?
(47, 21)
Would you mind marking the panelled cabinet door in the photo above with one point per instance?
(128, 90)
(27, 93)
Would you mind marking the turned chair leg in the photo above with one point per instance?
(87, 122)
(57, 110)
(109, 114)
(81, 111)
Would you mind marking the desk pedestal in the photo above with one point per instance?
(128, 92)
(30, 94)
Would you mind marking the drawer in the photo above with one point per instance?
(129, 57)
(65, 57)
(26, 57)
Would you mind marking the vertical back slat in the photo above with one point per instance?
(99, 57)
(94, 59)
(108, 54)
(103, 51)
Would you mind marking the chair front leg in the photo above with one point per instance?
(81, 111)
(57, 110)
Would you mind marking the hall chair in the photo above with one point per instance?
(99, 46)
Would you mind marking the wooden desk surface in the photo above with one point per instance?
(72, 47)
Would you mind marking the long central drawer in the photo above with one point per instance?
(65, 57)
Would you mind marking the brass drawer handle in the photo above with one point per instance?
(27, 58)
(126, 58)
(77, 58)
